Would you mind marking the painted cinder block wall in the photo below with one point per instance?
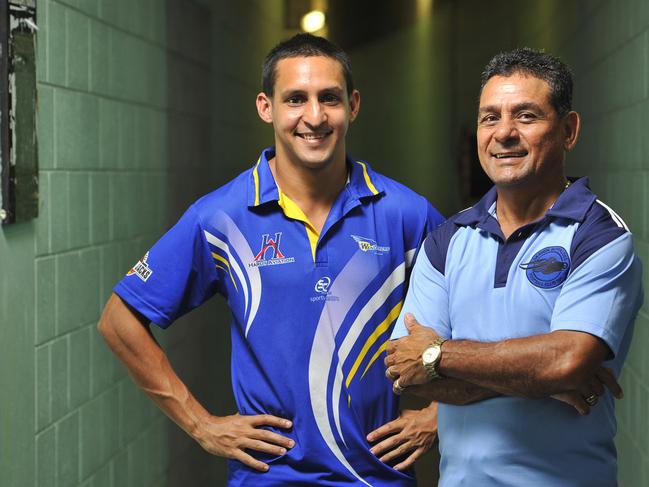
(128, 95)
(106, 114)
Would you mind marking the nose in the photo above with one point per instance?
(506, 131)
(314, 114)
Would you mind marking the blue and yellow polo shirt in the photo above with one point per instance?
(312, 312)
(574, 269)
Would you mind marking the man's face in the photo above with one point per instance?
(310, 110)
(521, 138)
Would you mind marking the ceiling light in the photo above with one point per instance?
(313, 21)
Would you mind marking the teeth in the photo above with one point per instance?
(510, 154)
(312, 136)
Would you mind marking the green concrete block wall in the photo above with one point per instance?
(94, 67)
(127, 94)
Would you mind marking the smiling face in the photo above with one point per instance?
(521, 137)
(310, 111)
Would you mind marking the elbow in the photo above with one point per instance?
(103, 326)
(571, 371)
(573, 360)
(106, 324)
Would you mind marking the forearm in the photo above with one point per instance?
(451, 391)
(148, 365)
(532, 367)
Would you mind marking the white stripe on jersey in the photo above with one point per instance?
(616, 218)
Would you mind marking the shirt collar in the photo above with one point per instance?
(262, 188)
(573, 203)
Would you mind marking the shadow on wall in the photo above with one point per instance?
(198, 344)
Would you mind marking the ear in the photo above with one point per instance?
(354, 105)
(571, 126)
(264, 107)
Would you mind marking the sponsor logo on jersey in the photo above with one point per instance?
(270, 253)
(322, 288)
(370, 245)
(141, 269)
(548, 268)
(322, 285)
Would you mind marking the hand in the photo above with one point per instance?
(412, 434)
(602, 379)
(230, 436)
(403, 358)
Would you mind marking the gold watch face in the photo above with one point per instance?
(430, 355)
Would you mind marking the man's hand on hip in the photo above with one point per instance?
(230, 436)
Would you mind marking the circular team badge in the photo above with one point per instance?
(548, 268)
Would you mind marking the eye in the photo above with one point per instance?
(527, 116)
(330, 99)
(488, 119)
(295, 100)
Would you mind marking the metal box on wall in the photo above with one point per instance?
(18, 142)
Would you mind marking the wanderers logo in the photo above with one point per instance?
(141, 269)
(548, 268)
(369, 245)
(270, 254)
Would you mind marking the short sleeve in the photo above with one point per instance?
(427, 299)
(603, 295)
(175, 276)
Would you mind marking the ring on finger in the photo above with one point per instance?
(396, 387)
(389, 375)
(592, 399)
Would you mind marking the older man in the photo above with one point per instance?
(530, 295)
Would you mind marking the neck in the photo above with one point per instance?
(520, 205)
(314, 190)
(319, 185)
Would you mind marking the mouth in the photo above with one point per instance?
(509, 155)
(314, 136)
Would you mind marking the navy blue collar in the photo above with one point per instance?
(572, 204)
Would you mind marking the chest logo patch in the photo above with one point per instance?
(270, 253)
(369, 245)
(548, 268)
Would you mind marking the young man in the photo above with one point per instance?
(528, 294)
(311, 249)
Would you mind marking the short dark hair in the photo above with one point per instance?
(303, 45)
(535, 63)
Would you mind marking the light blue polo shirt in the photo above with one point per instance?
(311, 312)
(575, 269)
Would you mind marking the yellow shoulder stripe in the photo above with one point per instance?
(368, 181)
(255, 176)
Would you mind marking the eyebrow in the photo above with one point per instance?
(331, 89)
(517, 108)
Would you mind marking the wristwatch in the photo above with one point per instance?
(431, 356)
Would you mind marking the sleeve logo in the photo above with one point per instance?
(548, 268)
(141, 269)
